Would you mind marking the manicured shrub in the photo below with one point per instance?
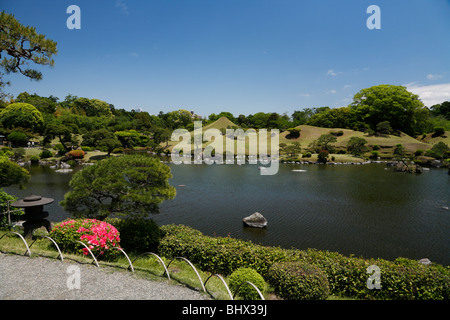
(337, 133)
(294, 133)
(18, 139)
(71, 163)
(347, 276)
(99, 236)
(45, 154)
(298, 281)
(220, 254)
(375, 155)
(323, 156)
(34, 159)
(439, 131)
(137, 235)
(239, 286)
(76, 154)
(418, 152)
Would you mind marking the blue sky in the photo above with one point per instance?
(241, 56)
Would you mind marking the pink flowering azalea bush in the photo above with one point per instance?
(100, 237)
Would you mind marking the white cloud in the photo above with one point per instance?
(332, 91)
(434, 76)
(305, 94)
(431, 95)
(331, 73)
(123, 6)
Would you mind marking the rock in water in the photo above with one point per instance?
(425, 261)
(256, 220)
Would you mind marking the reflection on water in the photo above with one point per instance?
(362, 210)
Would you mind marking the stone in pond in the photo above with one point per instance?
(256, 220)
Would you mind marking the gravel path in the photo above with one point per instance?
(24, 278)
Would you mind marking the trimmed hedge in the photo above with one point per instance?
(347, 276)
(298, 281)
(137, 235)
(219, 254)
(238, 282)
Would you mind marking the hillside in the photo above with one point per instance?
(221, 123)
(308, 134)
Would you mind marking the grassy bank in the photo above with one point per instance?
(402, 279)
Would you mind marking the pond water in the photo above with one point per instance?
(367, 210)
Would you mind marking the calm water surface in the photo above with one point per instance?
(364, 210)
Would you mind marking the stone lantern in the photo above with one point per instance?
(34, 213)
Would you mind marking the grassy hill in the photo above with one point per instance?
(386, 144)
(221, 123)
(308, 134)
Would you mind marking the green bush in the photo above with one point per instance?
(220, 254)
(298, 281)
(18, 139)
(294, 133)
(34, 159)
(337, 133)
(402, 279)
(347, 276)
(375, 155)
(19, 153)
(418, 152)
(45, 154)
(238, 285)
(137, 235)
(439, 131)
(71, 163)
(323, 156)
(4, 198)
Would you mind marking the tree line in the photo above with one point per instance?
(383, 109)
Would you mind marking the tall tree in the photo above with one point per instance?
(22, 115)
(403, 109)
(356, 145)
(11, 173)
(325, 141)
(20, 45)
(128, 185)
